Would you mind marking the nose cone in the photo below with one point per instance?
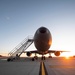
(42, 39)
(42, 30)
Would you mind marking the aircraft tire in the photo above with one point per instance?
(33, 59)
(50, 56)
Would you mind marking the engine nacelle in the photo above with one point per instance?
(57, 53)
(29, 54)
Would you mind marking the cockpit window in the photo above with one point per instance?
(42, 30)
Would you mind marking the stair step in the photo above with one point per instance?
(19, 49)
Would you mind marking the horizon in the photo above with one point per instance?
(19, 19)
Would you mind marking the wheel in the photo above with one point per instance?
(44, 57)
(33, 59)
(41, 58)
(36, 57)
(50, 56)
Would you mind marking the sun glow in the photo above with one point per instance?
(67, 57)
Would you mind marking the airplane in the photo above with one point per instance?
(43, 41)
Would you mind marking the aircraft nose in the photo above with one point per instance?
(42, 30)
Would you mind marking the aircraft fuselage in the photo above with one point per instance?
(42, 40)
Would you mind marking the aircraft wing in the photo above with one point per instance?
(49, 51)
(56, 52)
(53, 51)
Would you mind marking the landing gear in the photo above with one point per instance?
(50, 55)
(43, 57)
(34, 58)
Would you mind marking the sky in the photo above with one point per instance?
(21, 18)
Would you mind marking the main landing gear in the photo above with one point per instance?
(50, 55)
(34, 58)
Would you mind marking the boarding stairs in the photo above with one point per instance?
(20, 48)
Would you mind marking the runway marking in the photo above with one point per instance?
(61, 66)
(42, 69)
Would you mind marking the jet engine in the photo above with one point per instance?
(29, 54)
(57, 53)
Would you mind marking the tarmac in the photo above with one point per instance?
(50, 66)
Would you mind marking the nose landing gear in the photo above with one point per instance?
(43, 57)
